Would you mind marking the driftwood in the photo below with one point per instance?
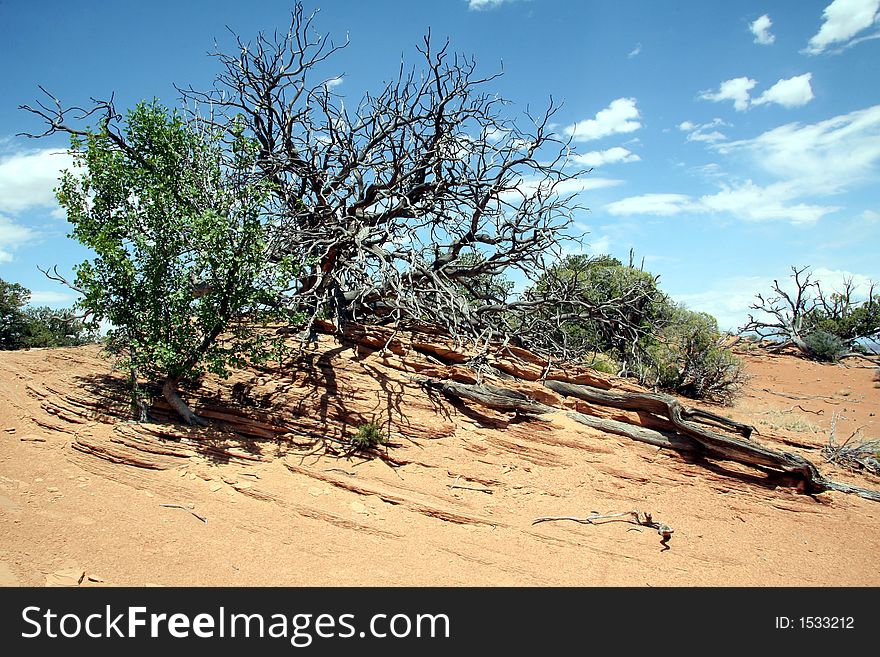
(690, 437)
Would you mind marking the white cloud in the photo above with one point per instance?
(12, 236)
(334, 82)
(871, 217)
(818, 158)
(746, 201)
(728, 301)
(736, 90)
(833, 280)
(753, 202)
(483, 5)
(619, 117)
(843, 19)
(635, 51)
(761, 29)
(27, 179)
(703, 132)
(804, 162)
(659, 204)
(51, 298)
(609, 156)
(708, 137)
(793, 92)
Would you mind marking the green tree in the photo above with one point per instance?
(22, 327)
(13, 320)
(177, 227)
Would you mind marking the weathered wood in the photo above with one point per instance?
(692, 438)
(636, 432)
(665, 405)
(490, 396)
(726, 447)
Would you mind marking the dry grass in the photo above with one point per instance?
(789, 421)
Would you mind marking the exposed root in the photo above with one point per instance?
(169, 392)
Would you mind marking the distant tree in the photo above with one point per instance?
(13, 320)
(48, 327)
(177, 225)
(22, 326)
(821, 325)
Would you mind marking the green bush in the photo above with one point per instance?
(825, 346)
(689, 357)
(368, 435)
(642, 332)
(595, 281)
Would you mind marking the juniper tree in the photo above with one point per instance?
(177, 225)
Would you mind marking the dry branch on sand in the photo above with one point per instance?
(643, 519)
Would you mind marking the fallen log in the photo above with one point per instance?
(692, 438)
(665, 405)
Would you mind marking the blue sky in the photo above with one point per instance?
(728, 140)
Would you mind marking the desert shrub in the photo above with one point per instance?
(689, 357)
(368, 435)
(627, 306)
(603, 363)
(824, 345)
(642, 332)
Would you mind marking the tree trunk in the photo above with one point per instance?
(169, 392)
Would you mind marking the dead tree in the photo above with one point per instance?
(399, 208)
(785, 312)
(788, 318)
(405, 207)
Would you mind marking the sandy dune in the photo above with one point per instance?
(451, 502)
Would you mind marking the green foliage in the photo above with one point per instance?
(847, 320)
(824, 345)
(688, 356)
(177, 229)
(13, 320)
(23, 327)
(638, 329)
(596, 281)
(368, 435)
